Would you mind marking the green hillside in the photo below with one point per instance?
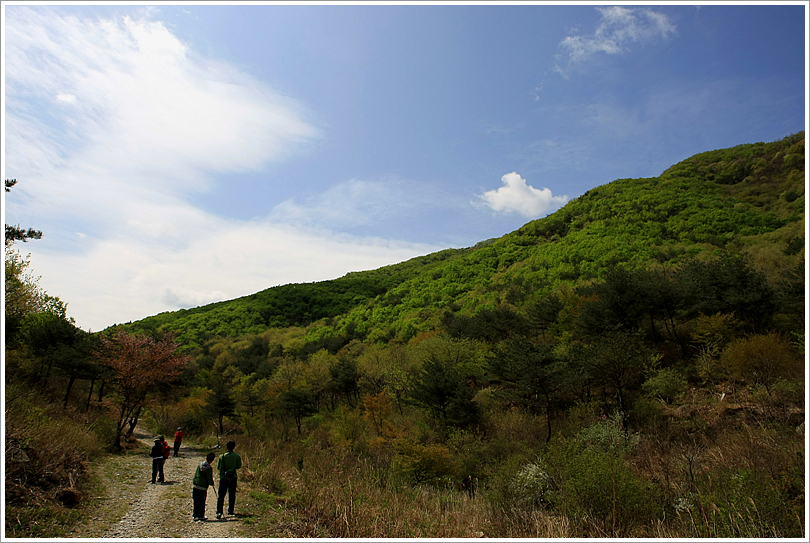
(630, 366)
(742, 200)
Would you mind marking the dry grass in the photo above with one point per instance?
(46, 453)
(332, 493)
(716, 469)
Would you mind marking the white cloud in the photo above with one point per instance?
(618, 27)
(66, 98)
(357, 202)
(128, 278)
(517, 196)
(144, 102)
(109, 179)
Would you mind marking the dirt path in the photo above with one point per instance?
(159, 510)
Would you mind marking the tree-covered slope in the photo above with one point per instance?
(731, 200)
(297, 304)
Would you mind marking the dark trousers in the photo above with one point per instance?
(230, 488)
(199, 497)
(157, 469)
(177, 448)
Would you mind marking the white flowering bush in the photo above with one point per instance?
(608, 434)
(531, 485)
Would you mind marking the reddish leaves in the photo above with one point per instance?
(140, 363)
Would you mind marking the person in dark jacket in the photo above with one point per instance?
(227, 465)
(157, 461)
(203, 478)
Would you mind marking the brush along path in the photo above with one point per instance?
(159, 510)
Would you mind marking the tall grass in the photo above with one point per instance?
(47, 448)
(334, 493)
(707, 470)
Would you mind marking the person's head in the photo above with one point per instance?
(161, 438)
(231, 445)
(210, 457)
(157, 440)
(179, 428)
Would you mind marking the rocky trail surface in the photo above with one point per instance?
(159, 510)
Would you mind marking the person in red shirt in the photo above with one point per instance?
(167, 449)
(178, 438)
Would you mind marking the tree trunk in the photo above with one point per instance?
(654, 330)
(67, 393)
(89, 395)
(101, 392)
(133, 422)
(47, 376)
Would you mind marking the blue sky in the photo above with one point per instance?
(180, 154)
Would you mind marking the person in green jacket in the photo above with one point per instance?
(227, 465)
(203, 478)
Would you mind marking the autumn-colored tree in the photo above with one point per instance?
(376, 409)
(140, 364)
(762, 360)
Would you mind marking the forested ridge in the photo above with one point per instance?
(629, 366)
(745, 198)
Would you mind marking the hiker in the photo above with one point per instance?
(227, 465)
(203, 478)
(167, 450)
(178, 438)
(157, 461)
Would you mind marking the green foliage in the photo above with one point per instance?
(666, 384)
(762, 359)
(23, 296)
(721, 201)
(442, 386)
(467, 358)
(619, 360)
(744, 504)
(15, 233)
(297, 404)
(592, 484)
(46, 458)
(531, 486)
(424, 463)
(488, 324)
(728, 285)
(220, 402)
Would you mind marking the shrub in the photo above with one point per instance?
(595, 488)
(418, 463)
(665, 385)
(348, 428)
(45, 463)
(531, 485)
(741, 504)
(104, 429)
(608, 434)
(472, 454)
(762, 359)
(589, 480)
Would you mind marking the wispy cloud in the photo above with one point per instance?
(355, 202)
(111, 126)
(517, 196)
(618, 28)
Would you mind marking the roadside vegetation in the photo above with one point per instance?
(630, 366)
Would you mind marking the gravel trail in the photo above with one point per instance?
(159, 510)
